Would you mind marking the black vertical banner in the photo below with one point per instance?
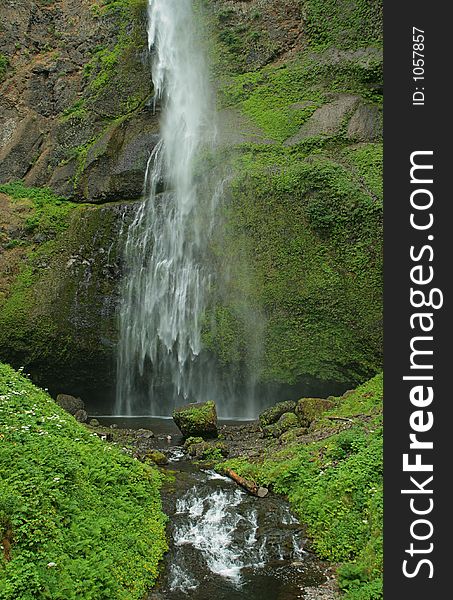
(418, 320)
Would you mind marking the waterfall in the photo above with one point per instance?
(168, 277)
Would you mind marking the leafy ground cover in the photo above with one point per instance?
(335, 486)
(78, 518)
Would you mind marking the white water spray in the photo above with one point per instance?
(165, 291)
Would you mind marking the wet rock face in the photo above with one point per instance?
(74, 84)
(197, 419)
(62, 320)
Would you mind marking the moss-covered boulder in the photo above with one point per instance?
(309, 409)
(156, 457)
(197, 419)
(273, 414)
(287, 421)
(201, 449)
(292, 435)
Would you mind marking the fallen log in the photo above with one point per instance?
(250, 486)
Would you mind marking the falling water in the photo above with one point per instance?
(168, 281)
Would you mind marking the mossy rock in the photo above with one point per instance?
(197, 419)
(292, 435)
(157, 457)
(203, 450)
(286, 422)
(308, 409)
(191, 441)
(273, 414)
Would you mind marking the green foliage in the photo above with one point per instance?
(86, 519)
(367, 159)
(76, 111)
(280, 99)
(311, 235)
(344, 24)
(335, 485)
(50, 213)
(4, 66)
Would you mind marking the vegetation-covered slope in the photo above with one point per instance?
(302, 83)
(78, 518)
(333, 479)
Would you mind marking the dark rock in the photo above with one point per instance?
(23, 146)
(81, 416)
(197, 419)
(116, 163)
(308, 409)
(94, 423)
(145, 434)
(273, 414)
(70, 404)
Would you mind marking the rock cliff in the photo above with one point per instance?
(299, 85)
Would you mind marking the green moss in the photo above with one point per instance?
(335, 485)
(107, 64)
(341, 23)
(367, 160)
(311, 236)
(281, 99)
(52, 316)
(50, 214)
(76, 111)
(197, 419)
(4, 66)
(85, 519)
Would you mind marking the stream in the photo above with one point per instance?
(223, 542)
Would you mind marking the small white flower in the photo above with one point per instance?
(56, 479)
(51, 565)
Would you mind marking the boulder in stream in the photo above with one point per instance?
(197, 419)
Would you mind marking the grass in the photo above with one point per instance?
(335, 486)
(78, 518)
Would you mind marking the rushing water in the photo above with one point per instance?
(169, 278)
(228, 545)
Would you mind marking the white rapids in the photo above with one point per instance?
(220, 528)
